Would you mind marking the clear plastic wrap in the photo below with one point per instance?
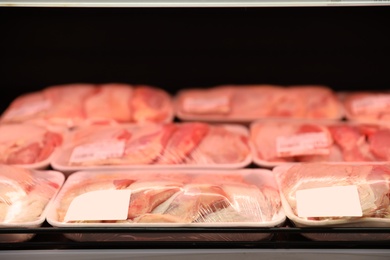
(234, 103)
(276, 142)
(372, 183)
(78, 104)
(24, 198)
(29, 146)
(186, 145)
(177, 198)
(366, 107)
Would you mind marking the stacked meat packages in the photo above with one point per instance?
(134, 156)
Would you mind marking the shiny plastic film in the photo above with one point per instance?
(276, 142)
(29, 146)
(172, 198)
(371, 183)
(247, 103)
(24, 198)
(79, 104)
(189, 145)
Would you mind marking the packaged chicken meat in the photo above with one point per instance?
(168, 199)
(24, 198)
(336, 195)
(367, 107)
(78, 104)
(234, 103)
(172, 145)
(277, 142)
(29, 146)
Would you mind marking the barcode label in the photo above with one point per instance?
(205, 104)
(303, 144)
(98, 151)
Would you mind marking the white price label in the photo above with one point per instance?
(98, 151)
(371, 104)
(100, 205)
(339, 201)
(207, 104)
(303, 144)
(29, 109)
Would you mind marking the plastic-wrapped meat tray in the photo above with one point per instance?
(246, 103)
(174, 145)
(372, 183)
(276, 142)
(174, 199)
(25, 196)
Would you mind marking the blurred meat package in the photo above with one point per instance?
(367, 107)
(246, 103)
(24, 197)
(29, 146)
(365, 187)
(286, 141)
(155, 145)
(77, 104)
(171, 198)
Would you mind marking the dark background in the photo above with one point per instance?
(347, 48)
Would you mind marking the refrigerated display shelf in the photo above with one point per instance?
(286, 237)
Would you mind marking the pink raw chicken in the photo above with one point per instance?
(68, 103)
(111, 102)
(151, 104)
(22, 196)
(220, 146)
(25, 144)
(183, 141)
(373, 183)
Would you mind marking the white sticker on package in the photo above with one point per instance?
(98, 151)
(98, 205)
(29, 109)
(302, 144)
(338, 201)
(373, 104)
(207, 104)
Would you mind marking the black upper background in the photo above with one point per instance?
(346, 48)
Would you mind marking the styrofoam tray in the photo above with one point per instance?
(53, 176)
(336, 223)
(44, 164)
(61, 157)
(269, 164)
(242, 118)
(258, 177)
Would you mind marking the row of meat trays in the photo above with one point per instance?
(253, 198)
(267, 143)
(79, 104)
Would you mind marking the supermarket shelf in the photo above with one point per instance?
(190, 3)
(225, 254)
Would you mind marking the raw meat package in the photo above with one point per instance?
(246, 103)
(29, 146)
(168, 199)
(77, 104)
(277, 142)
(172, 145)
(24, 198)
(367, 107)
(336, 195)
